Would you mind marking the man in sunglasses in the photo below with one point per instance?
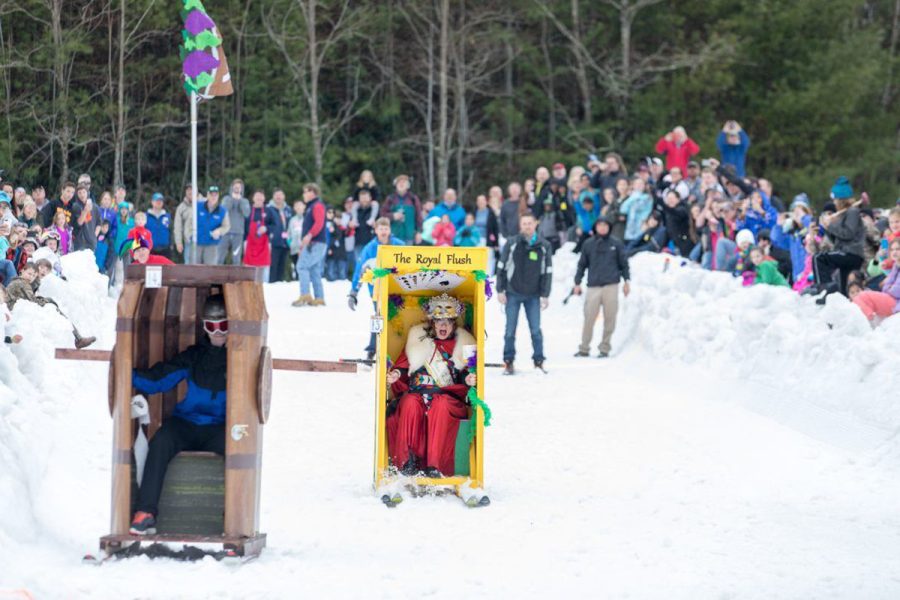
(198, 421)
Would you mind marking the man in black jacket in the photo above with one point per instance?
(605, 259)
(524, 275)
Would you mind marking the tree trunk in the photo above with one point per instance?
(443, 158)
(119, 153)
(460, 99)
(581, 75)
(626, 18)
(313, 98)
(548, 86)
(510, 99)
(429, 114)
(888, 93)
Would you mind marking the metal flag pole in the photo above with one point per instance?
(194, 249)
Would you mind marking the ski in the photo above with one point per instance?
(392, 501)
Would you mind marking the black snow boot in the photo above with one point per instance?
(411, 467)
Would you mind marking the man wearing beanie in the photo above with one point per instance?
(847, 232)
(605, 260)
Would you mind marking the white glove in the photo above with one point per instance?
(140, 410)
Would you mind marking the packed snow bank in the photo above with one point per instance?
(827, 356)
(35, 389)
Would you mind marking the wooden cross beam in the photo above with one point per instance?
(280, 364)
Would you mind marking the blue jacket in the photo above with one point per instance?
(278, 232)
(457, 213)
(467, 236)
(207, 221)
(101, 252)
(586, 219)
(755, 221)
(795, 242)
(734, 154)
(110, 214)
(636, 207)
(204, 367)
(159, 229)
(366, 259)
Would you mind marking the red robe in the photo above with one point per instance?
(428, 431)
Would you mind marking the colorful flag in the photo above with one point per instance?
(205, 67)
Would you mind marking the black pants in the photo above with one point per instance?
(175, 435)
(825, 264)
(279, 263)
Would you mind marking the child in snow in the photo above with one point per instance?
(806, 277)
(295, 233)
(468, 235)
(744, 267)
(101, 252)
(61, 227)
(890, 234)
(24, 287)
(444, 232)
(885, 303)
(5, 318)
(336, 255)
(766, 268)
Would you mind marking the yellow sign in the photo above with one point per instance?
(415, 258)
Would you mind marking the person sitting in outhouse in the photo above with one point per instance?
(197, 422)
(431, 379)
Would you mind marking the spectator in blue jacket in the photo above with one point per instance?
(759, 214)
(450, 207)
(790, 233)
(365, 260)
(468, 235)
(279, 235)
(158, 222)
(733, 143)
(636, 208)
(198, 421)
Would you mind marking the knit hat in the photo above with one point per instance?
(744, 236)
(800, 199)
(157, 196)
(124, 204)
(4, 198)
(841, 190)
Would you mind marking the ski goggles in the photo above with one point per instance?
(213, 327)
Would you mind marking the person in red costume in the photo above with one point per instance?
(140, 252)
(431, 380)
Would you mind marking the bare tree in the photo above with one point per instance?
(306, 55)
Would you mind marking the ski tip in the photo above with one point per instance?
(392, 501)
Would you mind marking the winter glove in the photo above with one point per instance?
(351, 300)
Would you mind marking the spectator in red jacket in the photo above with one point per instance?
(678, 148)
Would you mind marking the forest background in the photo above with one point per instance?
(455, 93)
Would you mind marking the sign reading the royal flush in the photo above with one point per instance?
(431, 268)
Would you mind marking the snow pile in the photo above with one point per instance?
(828, 356)
(35, 390)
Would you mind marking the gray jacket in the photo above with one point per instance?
(238, 213)
(848, 232)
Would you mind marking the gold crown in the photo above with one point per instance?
(443, 307)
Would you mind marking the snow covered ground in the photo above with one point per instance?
(734, 446)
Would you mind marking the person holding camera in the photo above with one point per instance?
(678, 148)
(733, 143)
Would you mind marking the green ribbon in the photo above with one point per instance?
(480, 275)
(474, 400)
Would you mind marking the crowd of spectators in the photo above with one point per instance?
(705, 209)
